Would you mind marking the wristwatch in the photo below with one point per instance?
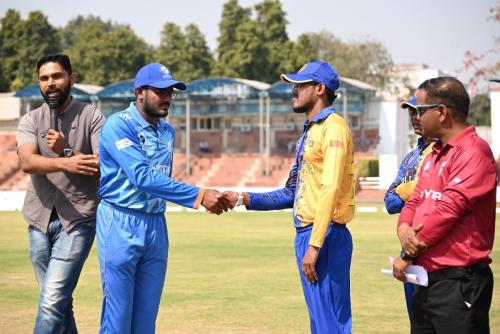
(68, 152)
(406, 257)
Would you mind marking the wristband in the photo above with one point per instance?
(240, 199)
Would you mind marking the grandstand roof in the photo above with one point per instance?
(284, 89)
(118, 90)
(225, 87)
(79, 91)
(207, 87)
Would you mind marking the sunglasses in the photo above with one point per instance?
(162, 92)
(422, 108)
(300, 86)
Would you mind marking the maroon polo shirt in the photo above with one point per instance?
(455, 200)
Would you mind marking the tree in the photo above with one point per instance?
(172, 48)
(228, 59)
(39, 38)
(271, 23)
(10, 33)
(299, 53)
(185, 54)
(23, 43)
(366, 59)
(102, 52)
(69, 34)
(250, 54)
(480, 110)
(198, 61)
(125, 53)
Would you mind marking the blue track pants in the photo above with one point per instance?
(133, 250)
(329, 299)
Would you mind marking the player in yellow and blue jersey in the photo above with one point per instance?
(320, 189)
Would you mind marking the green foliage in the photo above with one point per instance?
(366, 59)
(185, 54)
(258, 48)
(271, 23)
(198, 59)
(368, 167)
(253, 44)
(172, 46)
(103, 52)
(236, 30)
(480, 110)
(300, 53)
(10, 33)
(23, 43)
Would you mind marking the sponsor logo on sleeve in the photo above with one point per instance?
(122, 143)
(124, 116)
(335, 143)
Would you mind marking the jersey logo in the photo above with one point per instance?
(434, 195)
(442, 166)
(166, 72)
(124, 116)
(122, 143)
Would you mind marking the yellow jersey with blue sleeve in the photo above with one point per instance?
(321, 184)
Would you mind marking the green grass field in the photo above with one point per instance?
(229, 274)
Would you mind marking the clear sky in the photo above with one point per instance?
(433, 32)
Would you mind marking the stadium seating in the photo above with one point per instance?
(242, 170)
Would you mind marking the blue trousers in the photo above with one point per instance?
(133, 250)
(408, 288)
(58, 258)
(329, 299)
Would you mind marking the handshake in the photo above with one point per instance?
(219, 202)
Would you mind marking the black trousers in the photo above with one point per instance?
(457, 300)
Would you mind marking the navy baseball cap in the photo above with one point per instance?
(158, 76)
(410, 104)
(317, 71)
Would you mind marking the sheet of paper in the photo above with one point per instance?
(414, 274)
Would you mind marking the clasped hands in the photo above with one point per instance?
(219, 202)
(411, 245)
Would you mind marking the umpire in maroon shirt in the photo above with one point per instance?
(448, 225)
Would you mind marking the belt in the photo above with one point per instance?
(456, 272)
(310, 226)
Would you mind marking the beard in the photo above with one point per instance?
(58, 100)
(303, 108)
(153, 111)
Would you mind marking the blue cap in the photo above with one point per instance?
(158, 76)
(317, 71)
(411, 103)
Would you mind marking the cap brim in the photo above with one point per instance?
(407, 105)
(169, 83)
(295, 78)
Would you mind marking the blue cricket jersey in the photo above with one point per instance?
(136, 165)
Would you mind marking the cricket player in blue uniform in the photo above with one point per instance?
(320, 189)
(403, 185)
(136, 152)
